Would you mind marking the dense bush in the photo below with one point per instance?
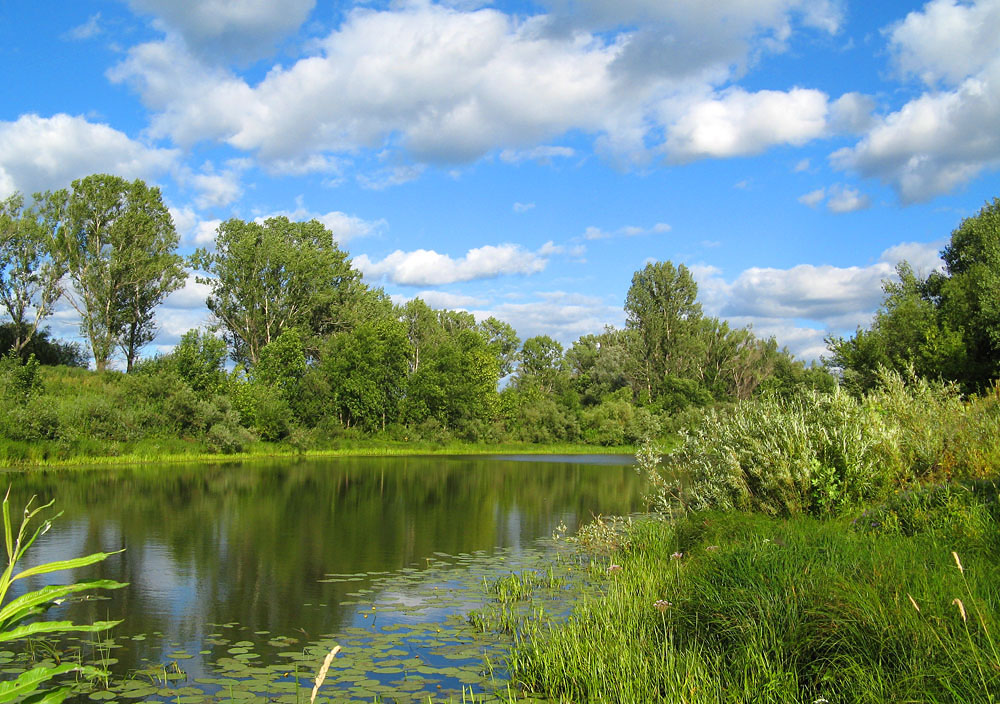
(824, 453)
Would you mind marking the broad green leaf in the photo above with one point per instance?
(31, 680)
(65, 564)
(48, 696)
(27, 604)
(55, 627)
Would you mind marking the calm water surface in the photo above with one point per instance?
(248, 545)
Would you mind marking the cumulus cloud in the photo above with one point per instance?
(802, 304)
(947, 41)
(740, 123)
(40, 153)
(425, 267)
(436, 84)
(443, 299)
(560, 315)
(343, 226)
(844, 199)
(221, 28)
(947, 136)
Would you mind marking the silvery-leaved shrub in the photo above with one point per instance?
(811, 453)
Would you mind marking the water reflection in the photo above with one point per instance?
(249, 544)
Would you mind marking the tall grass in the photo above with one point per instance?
(743, 608)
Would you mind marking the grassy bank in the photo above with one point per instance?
(820, 548)
(40, 454)
(901, 605)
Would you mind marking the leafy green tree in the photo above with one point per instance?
(118, 243)
(662, 310)
(29, 273)
(540, 363)
(909, 331)
(599, 364)
(199, 359)
(502, 339)
(46, 350)
(456, 384)
(366, 369)
(271, 276)
(969, 294)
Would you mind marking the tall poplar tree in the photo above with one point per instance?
(29, 273)
(119, 246)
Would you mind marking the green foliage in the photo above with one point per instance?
(19, 379)
(18, 616)
(827, 453)
(273, 276)
(742, 608)
(199, 359)
(30, 272)
(945, 326)
(118, 243)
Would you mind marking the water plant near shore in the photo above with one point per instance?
(16, 615)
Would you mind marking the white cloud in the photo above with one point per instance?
(813, 198)
(41, 153)
(425, 267)
(802, 304)
(738, 123)
(216, 189)
(523, 207)
(844, 199)
(343, 226)
(191, 296)
(923, 257)
(947, 41)
(934, 143)
(596, 233)
(562, 316)
(943, 138)
(443, 299)
(221, 28)
(802, 165)
(89, 29)
(434, 84)
(543, 154)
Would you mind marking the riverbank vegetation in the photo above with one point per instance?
(322, 360)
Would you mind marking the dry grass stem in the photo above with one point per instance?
(322, 673)
(961, 608)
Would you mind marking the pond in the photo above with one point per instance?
(242, 577)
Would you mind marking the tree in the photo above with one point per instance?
(118, 243)
(366, 369)
(502, 339)
(270, 276)
(29, 273)
(661, 309)
(969, 295)
(540, 363)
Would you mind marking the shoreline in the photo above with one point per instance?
(272, 452)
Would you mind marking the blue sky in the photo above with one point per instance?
(524, 159)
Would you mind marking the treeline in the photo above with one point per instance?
(320, 355)
(942, 325)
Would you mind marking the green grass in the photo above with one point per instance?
(746, 608)
(19, 454)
